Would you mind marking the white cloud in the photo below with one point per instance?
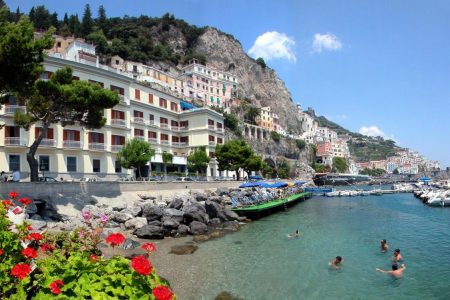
(372, 131)
(273, 45)
(327, 41)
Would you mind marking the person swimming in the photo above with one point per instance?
(397, 256)
(395, 272)
(296, 234)
(384, 246)
(336, 263)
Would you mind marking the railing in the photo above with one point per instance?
(11, 109)
(139, 137)
(183, 128)
(152, 123)
(179, 144)
(211, 143)
(165, 142)
(175, 128)
(72, 144)
(48, 143)
(15, 141)
(118, 122)
(220, 130)
(163, 125)
(116, 148)
(138, 120)
(97, 146)
(211, 127)
(153, 140)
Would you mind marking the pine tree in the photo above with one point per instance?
(66, 19)
(74, 25)
(54, 20)
(101, 20)
(87, 22)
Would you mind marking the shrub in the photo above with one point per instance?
(260, 61)
(275, 136)
(300, 144)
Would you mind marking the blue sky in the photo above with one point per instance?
(378, 66)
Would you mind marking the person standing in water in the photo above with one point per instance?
(336, 263)
(397, 256)
(384, 246)
(395, 272)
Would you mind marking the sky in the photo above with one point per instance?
(376, 67)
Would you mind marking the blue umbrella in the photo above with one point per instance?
(265, 185)
(279, 184)
(250, 184)
(299, 182)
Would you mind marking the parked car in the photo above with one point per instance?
(184, 179)
(47, 179)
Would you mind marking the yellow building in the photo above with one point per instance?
(266, 118)
(73, 152)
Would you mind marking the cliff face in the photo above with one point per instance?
(260, 85)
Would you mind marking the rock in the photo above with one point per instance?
(135, 211)
(174, 214)
(136, 223)
(37, 224)
(176, 203)
(152, 212)
(183, 249)
(36, 217)
(130, 244)
(121, 217)
(216, 199)
(183, 229)
(96, 212)
(226, 200)
(198, 228)
(201, 238)
(31, 209)
(200, 196)
(214, 221)
(213, 209)
(231, 226)
(146, 197)
(194, 211)
(150, 232)
(155, 223)
(230, 215)
(243, 219)
(225, 296)
(112, 224)
(170, 223)
(119, 206)
(222, 191)
(215, 234)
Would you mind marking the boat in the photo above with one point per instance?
(256, 210)
(321, 179)
(319, 190)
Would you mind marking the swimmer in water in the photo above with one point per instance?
(395, 272)
(384, 246)
(397, 255)
(336, 263)
(297, 233)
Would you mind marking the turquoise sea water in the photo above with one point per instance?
(260, 262)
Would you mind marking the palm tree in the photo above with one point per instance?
(167, 159)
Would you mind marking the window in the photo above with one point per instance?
(137, 94)
(162, 102)
(47, 135)
(212, 154)
(58, 44)
(150, 98)
(71, 135)
(219, 140)
(163, 120)
(210, 122)
(152, 135)
(138, 114)
(138, 132)
(211, 138)
(101, 84)
(117, 140)
(44, 163)
(117, 115)
(96, 165)
(164, 137)
(173, 123)
(117, 167)
(173, 106)
(175, 139)
(14, 162)
(71, 164)
(119, 90)
(96, 137)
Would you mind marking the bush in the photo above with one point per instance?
(300, 144)
(275, 136)
(260, 61)
(70, 264)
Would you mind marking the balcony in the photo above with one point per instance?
(164, 125)
(116, 148)
(152, 123)
(96, 146)
(139, 120)
(165, 142)
(72, 144)
(212, 143)
(211, 127)
(220, 130)
(139, 137)
(153, 140)
(15, 141)
(11, 109)
(175, 128)
(179, 144)
(118, 123)
(124, 100)
(48, 143)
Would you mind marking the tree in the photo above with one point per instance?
(20, 55)
(252, 113)
(300, 144)
(266, 169)
(42, 18)
(167, 159)
(101, 19)
(260, 61)
(65, 101)
(87, 22)
(232, 155)
(275, 136)
(284, 169)
(74, 25)
(252, 163)
(198, 160)
(135, 154)
(396, 172)
(339, 164)
(99, 40)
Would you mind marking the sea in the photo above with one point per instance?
(261, 262)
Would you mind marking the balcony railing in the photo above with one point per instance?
(179, 144)
(153, 140)
(138, 120)
(211, 143)
(48, 143)
(175, 128)
(211, 127)
(97, 146)
(11, 109)
(72, 144)
(165, 142)
(139, 137)
(116, 148)
(15, 141)
(163, 125)
(118, 122)
(152, 123)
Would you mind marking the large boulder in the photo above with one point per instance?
(175, 214)
(120, 217)
(194, 211)
(176, 203)
(170, 224)
(135, 211)
(152, 212)
(217, 199)
(37, 224)
(183, 229)
(197, 228)
(118, 206)
(200, 196)
(213, 209)
(150, 232)
(230, 215)
(136, 223)
(222, 191)
(146, 196)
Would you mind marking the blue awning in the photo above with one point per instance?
(279, 184)
(251, 184)
(185, 105)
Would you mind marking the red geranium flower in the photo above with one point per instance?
(36, 236)
(21, 271)
(141, 265)
(55, 286)
(25, 201)
(93, 258)
(162, 293)
(7, 203)
(115, 239)
(13, 194)
(29, 227)
(29, 252)
(149, 247)
(1, 251)
(47, 247)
